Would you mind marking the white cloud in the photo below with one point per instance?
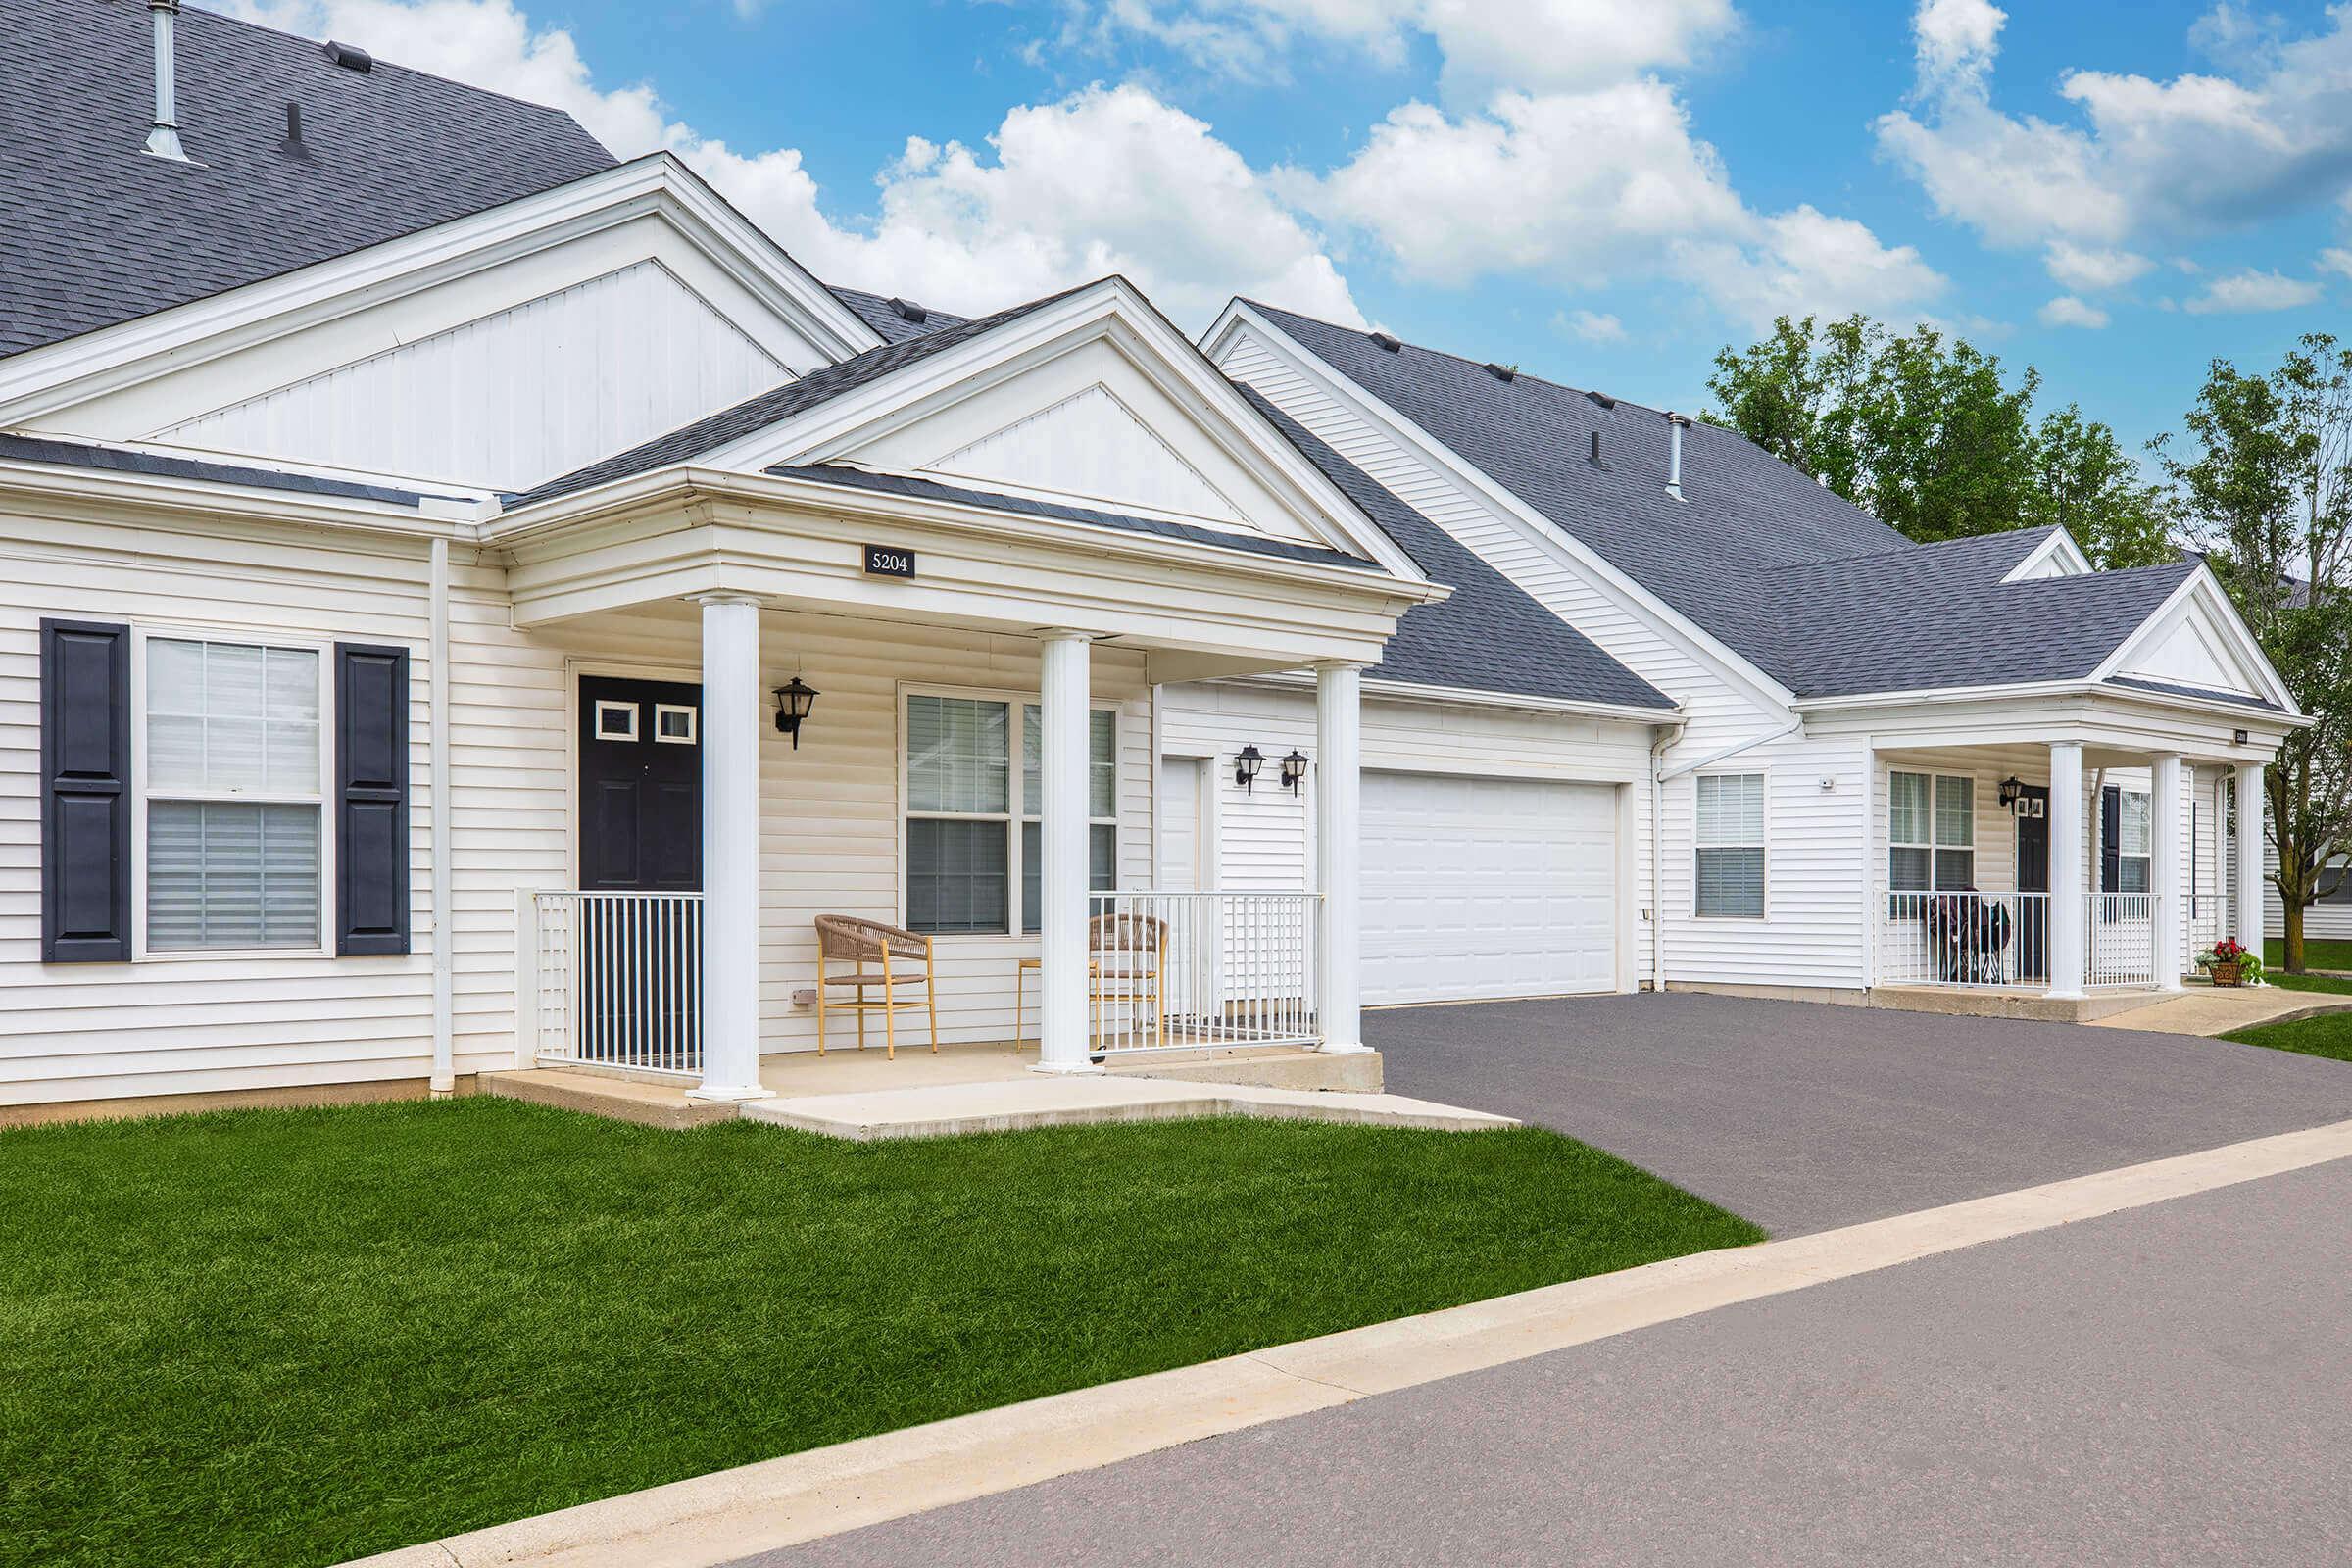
(2252, 290)
(2091, 270)
(2337, 259)
(1594, 326)
(1533, 45)
(2068, 311)
(1807, 262)
(1108, 180)
(1586, 189)
(2184, 154)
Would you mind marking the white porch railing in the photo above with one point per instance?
(1987, 940)
(1971, 940)
(1179, 971)
(2122, 941)
(620, 981)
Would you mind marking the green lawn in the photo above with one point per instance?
(2327, 1035)
(2317, 954)
(293, 1337)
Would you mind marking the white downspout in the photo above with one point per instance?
(445, 836)
(1659, 776)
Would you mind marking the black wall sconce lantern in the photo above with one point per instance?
(794, 698)
(1246, 764)
(1293, 770)
(2011, 792)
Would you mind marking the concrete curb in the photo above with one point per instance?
(778, 1502)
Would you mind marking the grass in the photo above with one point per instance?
(2327, 1035)
(2317, 954)
(295, 1337)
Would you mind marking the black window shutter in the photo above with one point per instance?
(86, 792)
(372, 799)
(2111, 840)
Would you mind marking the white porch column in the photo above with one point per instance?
(2251, 804)
(2164, 870)
(2069, 914)
(1063, 684)
(1339, 853)
(731, 717)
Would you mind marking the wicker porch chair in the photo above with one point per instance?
(865, 942)
(1127, 961)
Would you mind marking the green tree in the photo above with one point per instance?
(2267, 476)
(1928, 434)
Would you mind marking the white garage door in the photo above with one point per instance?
(1486, 887)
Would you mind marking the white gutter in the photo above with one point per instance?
(1659, 775)
(444, 834)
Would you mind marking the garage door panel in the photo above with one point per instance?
(1486, 887)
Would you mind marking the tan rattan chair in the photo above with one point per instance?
(1127, 958)
(865, 942)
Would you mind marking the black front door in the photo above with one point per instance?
(641, 786)
(2033, 876)
(640, 832)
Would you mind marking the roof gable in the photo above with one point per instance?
(1090, 445)
(95, 232)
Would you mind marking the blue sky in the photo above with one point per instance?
(1602, 191)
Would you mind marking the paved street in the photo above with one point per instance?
(1804, 1117)
(2167, 1384)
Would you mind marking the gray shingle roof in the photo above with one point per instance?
(1811, 589)
(917, 485)
(2172, 689)
(877, 313)
(774, 406)
(95, 232)
(1491, 636)
(123, 459)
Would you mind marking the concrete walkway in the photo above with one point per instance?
(718, 1518)
(1039, 1101)
(2221, 1009)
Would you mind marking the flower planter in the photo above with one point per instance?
(2226, 974)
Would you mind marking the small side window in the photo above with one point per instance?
(614, 720)
(674, 723)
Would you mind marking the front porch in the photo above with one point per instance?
(2074, 880)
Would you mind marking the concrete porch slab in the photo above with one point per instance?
(1041, 1101)
(1953, 1001)
(991, 1088)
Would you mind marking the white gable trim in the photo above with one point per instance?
(62, 374)
(2202, 592)
(1108, 312)
(2058, 556)
(1701, 645)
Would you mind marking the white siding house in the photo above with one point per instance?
(489, 626)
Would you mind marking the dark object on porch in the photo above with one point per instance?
(1967, 937)
(863, 941)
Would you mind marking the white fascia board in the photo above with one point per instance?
(1109, 311)
(1700, 644)
(1468, 697)
(2206, 589)
(44, 380)
(1889, 707)
(96, 492)
(2059, 544)
(685, 483)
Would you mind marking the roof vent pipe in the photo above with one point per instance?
(163, 136)
(1674, 454)
(1596, 446)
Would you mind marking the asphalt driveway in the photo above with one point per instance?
(1804, 1117)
